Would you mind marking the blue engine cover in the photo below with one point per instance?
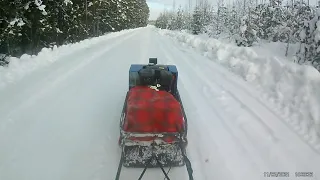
(134, 76)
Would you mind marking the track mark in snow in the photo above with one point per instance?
(84, 61)
(208, 122)
(22, 67)
(219, 117)
(275, 109)
(246, 92)
(243, 115)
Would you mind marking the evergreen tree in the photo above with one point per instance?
(196, 21)
(162, 21)
(247, 22)
(275, 3)
(179, 21)
(308, 52)
(248, 34)
(28, 26)
(233, 25)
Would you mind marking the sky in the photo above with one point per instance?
(157, 6)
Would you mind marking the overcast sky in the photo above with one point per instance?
(157, 6)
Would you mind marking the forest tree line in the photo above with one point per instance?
(250, 21)
(27, 26)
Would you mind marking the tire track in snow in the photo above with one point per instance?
(83, 107)
(56, 78)
(164, 58)
(253, 150)
(277, 142)
(275, 112)
(252, 101)
(185, 79)
(251, 138)
(196, 83)
(53, 58)
(197, 156)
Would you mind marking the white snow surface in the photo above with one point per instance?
(292, 90)
(19, 67)
(66, 2)
(60, 110)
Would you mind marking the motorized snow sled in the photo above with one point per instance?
(153, 123)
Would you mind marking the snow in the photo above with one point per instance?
(37, 2)
(243, 27)
(21, 23)
(26, 7)
(66, 2)
(303, 34)
(276, 49)
(292, 88)
(41, 7)
(58, 30)
(60, 110)
(13, 22)
(317, 32)
(18, 21)
(20, 67)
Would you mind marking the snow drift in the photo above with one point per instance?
(20, 67)
(293, 88)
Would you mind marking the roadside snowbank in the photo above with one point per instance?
(294, 89)
(278, 49)
(20, 67)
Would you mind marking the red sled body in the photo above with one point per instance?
(153, 121)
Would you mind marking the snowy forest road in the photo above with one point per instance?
(61, 122)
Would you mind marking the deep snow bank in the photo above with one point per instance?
(294, 89)
(19, 67)
(278, 49)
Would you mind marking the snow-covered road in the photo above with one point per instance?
(60, 122)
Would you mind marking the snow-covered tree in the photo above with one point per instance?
(275, 3)
(162, 21)
(309, 51)
(29, 25)
(179, 20)
(196, 21)
(234, 24)
(248, 34)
